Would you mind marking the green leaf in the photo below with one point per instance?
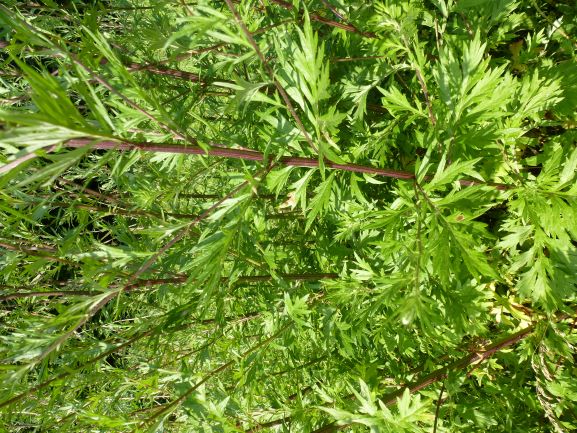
(455, 170)
(321, 200)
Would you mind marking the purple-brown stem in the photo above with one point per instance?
(320, 19)
(52, 293)
(441, 373)
(252, 155)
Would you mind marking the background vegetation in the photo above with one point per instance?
(273, 215)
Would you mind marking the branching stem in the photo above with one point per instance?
(271, 75)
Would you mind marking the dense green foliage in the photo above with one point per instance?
(397, 254)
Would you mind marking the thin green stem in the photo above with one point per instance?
(168, 406)
(271, 74)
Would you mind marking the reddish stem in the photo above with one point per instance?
(252, 155)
